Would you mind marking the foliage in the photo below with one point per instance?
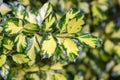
(43, 43)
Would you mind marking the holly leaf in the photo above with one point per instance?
(66, 18)
(20, 42)
(49, 45)
(70, 47)
(74, 25)
(14, 26)
(7, 43)
(49, 22)
(45, 10)
(20, 58)
(2, 60)
(32, 48)
(30, 17)
(89, 40)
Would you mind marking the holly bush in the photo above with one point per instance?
(51, 40)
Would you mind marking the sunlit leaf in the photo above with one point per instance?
(20, 12)
(21, 43)
(32, 48)
(20, 58)
(49, 21)
(31, 27)
(2, 60)
(65, 19)
(7, 43)
(4, 9)
(75, 25)
(60, 77)
(89, 40)
(30, 17)
(45, 10)
(70, 47)
(14, 27)
(49, 45)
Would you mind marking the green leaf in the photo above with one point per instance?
(89, 40)
(45, 10)
(70, 47)
(2, 60)
(20, 58)
(64, 20)
(32, 48)
(75, 25)
(21, 43)
(14, 27)
(48, 23)
(30, 17)
(31, 27)
(59, 76)
(7, 43)
(49, 45)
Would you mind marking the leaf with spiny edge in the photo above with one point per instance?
(49, 22)
(30, 17)
(49, 45)
(65, 19)
(32, 48)
(20, 58)
(45, 10)
(70, 47)
(21, 43)
(75, 25)
(89, 40)
(13, 26)
(7, 43)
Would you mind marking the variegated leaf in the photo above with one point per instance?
(2, 60)
(89, 40)
(14, 27)
(31, 27)
(64, 21)
(49, 45)
(45, 10)
(48, 23)
(20, 58)
(20, 12)
(7, 43)
(74, 25)
(32, 48)
(30, 17)
(21, 43)
(70, 47)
